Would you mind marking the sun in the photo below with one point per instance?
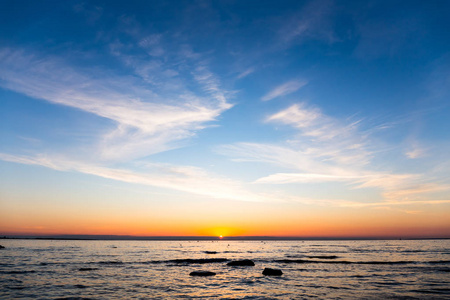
(220, 236)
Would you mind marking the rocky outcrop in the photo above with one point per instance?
(2, 247)
(244, 262)
(202, 273)
(272, 272)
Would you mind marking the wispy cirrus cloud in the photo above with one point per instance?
(324, 149)
(286, 156)
(313, 21)
(283, 178)
(414, 192)
(323, 136)
(146, 122)
(415, 151)
(284, 89)
(182, 178)
(189, 179)
(152, 45)
(197, 181)
(246, 73)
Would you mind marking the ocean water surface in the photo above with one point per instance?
(68, 269)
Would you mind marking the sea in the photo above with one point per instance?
(99, 269)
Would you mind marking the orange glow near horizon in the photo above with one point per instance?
(221, 219)
(324, 230)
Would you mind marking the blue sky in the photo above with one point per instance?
(320, 104)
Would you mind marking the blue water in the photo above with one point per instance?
(42, 269)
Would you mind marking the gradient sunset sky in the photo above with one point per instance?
(275, 118)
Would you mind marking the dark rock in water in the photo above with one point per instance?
(202, 273)
(272, 272)
(211, 252)
(244, 262)
(2, 247)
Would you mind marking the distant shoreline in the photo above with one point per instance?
(205, 238)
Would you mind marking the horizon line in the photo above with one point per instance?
(209, 238)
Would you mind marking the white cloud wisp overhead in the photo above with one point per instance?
(284, 89)
(324, 149)
(147, 122)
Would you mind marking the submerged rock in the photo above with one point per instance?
(202, 273)
(2, 247)
(244, 262)
(272, 272)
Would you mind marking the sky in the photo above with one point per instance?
(234, 118)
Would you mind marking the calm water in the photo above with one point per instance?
(160, 270)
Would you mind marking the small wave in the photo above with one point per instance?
(388, 283)
(6, 265)
(73, 298)
(307, 261)
(442, 291)
(326, 251)
(323, 256)
(210, 252)
(364, 250)
(328, 246)
(338, 287)
(314, 256)
(439, 262)
(443, 270)
(111, 262)
(88, 269)
(187, 261)
(429, 269)
(400, 262)
(19, 287)
(18, 272)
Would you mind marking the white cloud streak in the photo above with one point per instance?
(325, 149)
(181, 178)
(415, 152)
(147, 123)
(313, 21)
(246, 73)
(282, 178)
(197, 181)
(284, 89)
